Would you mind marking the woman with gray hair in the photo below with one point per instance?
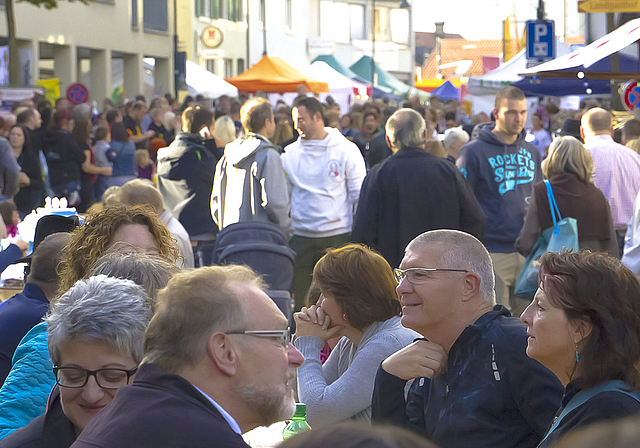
(454, 140)
(94, 335)
(31, 374)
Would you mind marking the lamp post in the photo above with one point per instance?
(373, 45)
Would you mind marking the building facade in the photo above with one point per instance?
(349, 26)
(107, 39)
(228, 36)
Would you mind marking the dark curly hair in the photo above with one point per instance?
(600, 290)
(90, 241)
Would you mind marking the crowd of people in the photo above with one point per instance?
(410, 226)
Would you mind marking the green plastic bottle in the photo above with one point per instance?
(298, 422)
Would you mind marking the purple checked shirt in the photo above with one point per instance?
(617, 173)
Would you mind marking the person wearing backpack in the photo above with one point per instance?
(584, 325)
(249, 182)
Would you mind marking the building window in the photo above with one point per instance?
(288, 14)
(240, 66)
(134, 14)
(400, 26)
(356, 20)
(228, 68)
(234, 11)
(211, 65)
(334, 21)
(382, 23)
(155, 15)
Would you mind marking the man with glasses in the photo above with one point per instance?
(217, 363)
(474, 385)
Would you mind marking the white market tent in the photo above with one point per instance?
(507, 73)
(202, 81)
(341, 89)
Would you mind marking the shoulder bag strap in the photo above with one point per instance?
(585, 395)
(553, 206)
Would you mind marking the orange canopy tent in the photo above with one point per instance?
(272, 74)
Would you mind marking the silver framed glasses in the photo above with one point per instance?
(417, 276)
(76, 377)
(283, 336)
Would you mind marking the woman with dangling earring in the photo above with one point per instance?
(584, 326)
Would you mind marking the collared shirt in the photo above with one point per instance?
(225, 414)
(617, 173)
(631, 255)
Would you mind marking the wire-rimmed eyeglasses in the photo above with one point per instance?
(417, 276)
(284, 336)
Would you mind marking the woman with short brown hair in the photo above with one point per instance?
(357, 302)
(584, 326)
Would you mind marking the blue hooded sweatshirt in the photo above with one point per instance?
(502, 177)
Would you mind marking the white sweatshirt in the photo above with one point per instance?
(324, 178)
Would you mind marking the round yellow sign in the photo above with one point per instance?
(212, 37)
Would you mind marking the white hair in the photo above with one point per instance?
(461, 250)
(225, 130)
(405, 128)
(454, 134)
(101, 308)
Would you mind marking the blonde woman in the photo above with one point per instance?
(225, 131)
(569, 168)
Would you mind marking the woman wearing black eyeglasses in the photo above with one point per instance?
(94, 335)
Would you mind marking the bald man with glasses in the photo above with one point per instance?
(473, 384)
(218, 362)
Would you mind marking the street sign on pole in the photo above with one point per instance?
(608, 5)
(541, 40)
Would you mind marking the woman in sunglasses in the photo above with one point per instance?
(584, 325)
(358, 303)
(94, 334)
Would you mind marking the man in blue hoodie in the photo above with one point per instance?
(501, 169)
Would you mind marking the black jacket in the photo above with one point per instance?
(410, 193)
(492, 394)
(51, 430)
(185, 179)
(604, 406)
(378, 150)
(31, 196)
(64, 157)
(159, 410)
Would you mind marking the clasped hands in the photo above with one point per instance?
(421, 359)
(313, 321)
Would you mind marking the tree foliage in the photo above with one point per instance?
(49, 4)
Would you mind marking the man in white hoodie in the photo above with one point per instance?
(249, 184)
(324, 172)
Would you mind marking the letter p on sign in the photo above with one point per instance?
(540, 31)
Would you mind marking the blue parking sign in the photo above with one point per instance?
(541, 40)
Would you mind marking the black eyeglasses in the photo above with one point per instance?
(76, 377)
(417, 276)
(284, 336)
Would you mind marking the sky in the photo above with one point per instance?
(482, 19)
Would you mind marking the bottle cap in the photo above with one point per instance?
(301, 410)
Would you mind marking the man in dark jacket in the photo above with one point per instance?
(27, 308)
(217, 364)
(474, 385)
(501, 169)
(32, 195)
(412, 192)
(185, 174)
